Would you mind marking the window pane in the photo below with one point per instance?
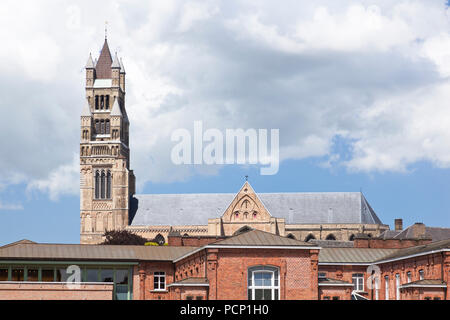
(122, 276)
(61, 275)
(121, 292)
(48, 275)
(17, 274)
(259, 294)
(267, 279)
(249, 295)
(106, 276)
(276, 295)
(3, 274)
(267, 294)
(32, 274)
(91, 275)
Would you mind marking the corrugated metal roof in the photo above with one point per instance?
(434, 246)
(190, 282)
(425, 283)
(295, 208)
(353, 255)
(330, 282)
(91, 252)
(260, 238)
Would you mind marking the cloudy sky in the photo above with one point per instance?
(360, 91)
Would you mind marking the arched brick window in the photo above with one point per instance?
(263, 283)
(309, 237)
(330, 237)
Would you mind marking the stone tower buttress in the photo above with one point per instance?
(106, 181)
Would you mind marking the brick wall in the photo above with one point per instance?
(389, 243)
(54, 291)
(227, 272)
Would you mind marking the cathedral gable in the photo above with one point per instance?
(246, 207)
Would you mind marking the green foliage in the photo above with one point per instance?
(123, 237)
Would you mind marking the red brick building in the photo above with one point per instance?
(250, 265)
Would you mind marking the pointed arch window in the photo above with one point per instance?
(107, 127)
(102, 186)
(108, 185)
(97, 184)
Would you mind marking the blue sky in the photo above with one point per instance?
(359, 91)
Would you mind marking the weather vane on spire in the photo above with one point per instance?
(106, 30)
(246, 178)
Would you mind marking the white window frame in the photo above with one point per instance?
(358, 282)
(159, 277)
(275, 275)
(409, 276)
(421, 274)
(397, 286)
(386, 287)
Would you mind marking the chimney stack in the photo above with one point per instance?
(418, 230)
(398, 224)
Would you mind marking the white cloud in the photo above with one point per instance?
(372, 72)
(10, 206)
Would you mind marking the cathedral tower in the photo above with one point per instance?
(106, 181)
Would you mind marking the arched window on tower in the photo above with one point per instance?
(102, 102)
(102, 185)
(97, 184)
(107, 102)
(96, 102)
(97, 126)
(108, 185)
(107, 127)
(102, 126)
(309, 237)
(290, 236)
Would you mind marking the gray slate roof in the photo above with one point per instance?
(295, 208)
(434, 233)
(353, 255)
(260, 238)
(37, 251)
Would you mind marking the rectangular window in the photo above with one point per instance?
(437, 298)
(358, 281)
(421, 275)
(3, 274)
(47, 275)
(335, 298)
(107, 275)
(322, 275)
(189, 298)
(32, 274)
(199, 298)
(17, 274)
(61, 275)
(159, 280)
(408, 276)
(326, 298)
(91, 275)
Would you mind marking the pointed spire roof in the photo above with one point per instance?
(86, 112)
(116, 109)
(90, 63)
(103, 67)
(116, 62)
(122, 68)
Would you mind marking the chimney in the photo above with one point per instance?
(418, 230)
(398, 224)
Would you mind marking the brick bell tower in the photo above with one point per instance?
(106, 181)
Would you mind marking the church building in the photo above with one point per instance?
(108, 200)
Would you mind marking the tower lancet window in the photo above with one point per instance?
(102, 184)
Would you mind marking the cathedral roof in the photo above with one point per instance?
(122, 68)
(295, 208)
(116, 109)
(116, 62)
(86, 112)
(90, 63)
(103, 66)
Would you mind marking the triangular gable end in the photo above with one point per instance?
(246, 207)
